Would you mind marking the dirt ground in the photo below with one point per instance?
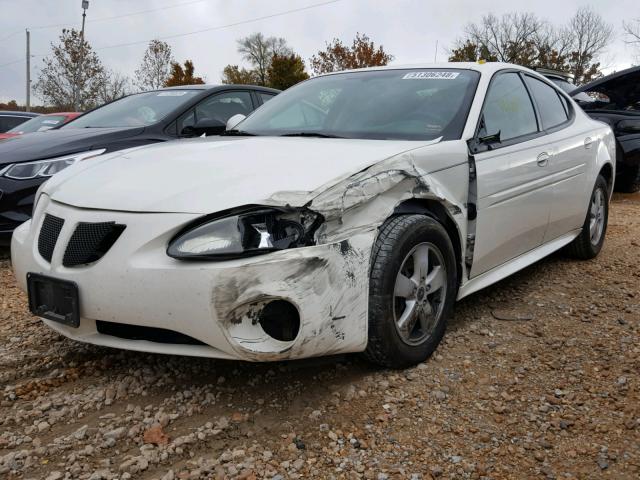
(538, 377)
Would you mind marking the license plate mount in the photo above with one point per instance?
(54, 299)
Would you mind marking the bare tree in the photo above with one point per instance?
(590, 35)
(114, 86)
(508, 38)
(259, 50)
(632, 33)
(155, 68)
(72, 76)
(524, 39)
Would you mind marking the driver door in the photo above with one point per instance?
(514, 191)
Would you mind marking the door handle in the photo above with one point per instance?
(543, 159)
(588, 142)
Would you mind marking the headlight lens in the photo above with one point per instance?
(46, 168)
(249, 233)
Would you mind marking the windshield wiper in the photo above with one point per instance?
(238, 133)
(311, 134)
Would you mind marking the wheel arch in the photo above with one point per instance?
(607, 173)
(439, 212)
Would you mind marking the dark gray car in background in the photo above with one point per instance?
(29, 160)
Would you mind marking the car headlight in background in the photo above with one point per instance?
(46, 168)
(249, 233)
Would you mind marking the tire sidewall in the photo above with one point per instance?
(601, 184)
(381, 298)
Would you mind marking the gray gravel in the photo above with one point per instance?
(537, 378)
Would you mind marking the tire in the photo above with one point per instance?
(401, 248)
(588, 244)
(628, 180)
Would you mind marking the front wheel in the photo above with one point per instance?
(413, 285)
(588, 244)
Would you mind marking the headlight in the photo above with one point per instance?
(249, 233)
(46, 168)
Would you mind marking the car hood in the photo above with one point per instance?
(210, 175)
(55, 143)
(623, 88)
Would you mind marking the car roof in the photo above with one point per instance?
(14, 113)
(218, 86)
(482, 67)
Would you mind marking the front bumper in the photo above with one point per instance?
(136, 283)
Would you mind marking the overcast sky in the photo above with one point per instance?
(408, 29)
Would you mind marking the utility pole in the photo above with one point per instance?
(28, 101)
(85, 5)
(435, 56)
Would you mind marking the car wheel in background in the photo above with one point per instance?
(413, 285)
(588, 244)
(628, 181)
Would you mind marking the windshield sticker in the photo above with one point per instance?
(171, 94)
(50, 122)
(431, 76)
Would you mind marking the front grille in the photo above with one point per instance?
(90, 241)
(49, 233)
(151, 334)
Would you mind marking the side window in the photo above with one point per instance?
(7, 123)
(219, 107)
(265, 97)
(508, 108)
(552, 112)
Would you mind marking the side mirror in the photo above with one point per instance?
(206, 126)
(235, 120)
(628, 126)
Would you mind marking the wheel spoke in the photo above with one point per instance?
(407, 320)
(420, 263)
(405, 287)
(426, 322)
(435, 280)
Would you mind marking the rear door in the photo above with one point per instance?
(573, 151)
(514, 187)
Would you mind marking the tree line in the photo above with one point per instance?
(74, 78)
(527, 40)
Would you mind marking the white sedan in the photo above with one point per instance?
(346, 215)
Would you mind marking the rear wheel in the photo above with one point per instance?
(588, 244)
(412, 290)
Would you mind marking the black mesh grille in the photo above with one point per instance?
(90, 241)
(49, 233)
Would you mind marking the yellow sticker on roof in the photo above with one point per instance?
(431, 76)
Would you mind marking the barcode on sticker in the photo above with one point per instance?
(430, 76)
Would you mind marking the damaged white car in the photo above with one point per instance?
(346, 215)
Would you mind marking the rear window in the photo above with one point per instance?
(550, 107)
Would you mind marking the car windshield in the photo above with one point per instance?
(39, 124)
(137, 110)
(417, 104)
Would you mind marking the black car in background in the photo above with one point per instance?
(140, 119)
(10, 119)
(615, 100)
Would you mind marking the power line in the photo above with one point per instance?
(140, 12)
(194, 32)
(210, 29)
(220, 27)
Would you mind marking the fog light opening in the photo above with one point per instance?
(280, 320)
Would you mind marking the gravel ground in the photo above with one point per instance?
(538, 377)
